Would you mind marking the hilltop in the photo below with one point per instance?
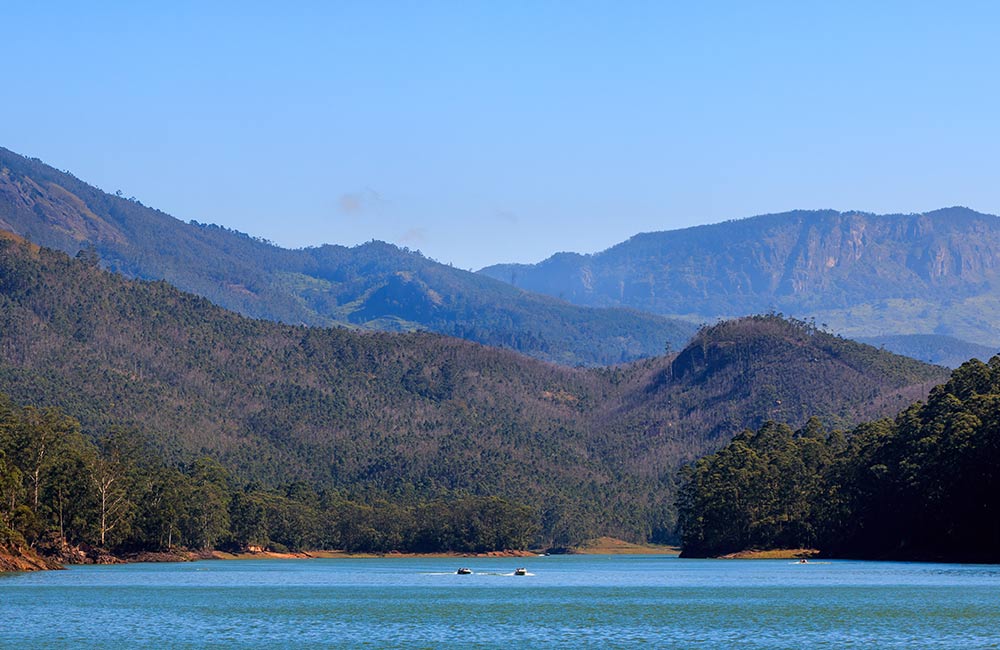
(741, 373)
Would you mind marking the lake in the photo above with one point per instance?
(564, 602)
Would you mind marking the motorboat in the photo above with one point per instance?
(520, 571)
(464, 571)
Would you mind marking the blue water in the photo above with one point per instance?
(567, 602)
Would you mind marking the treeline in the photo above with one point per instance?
(924, 486)
(60, 489)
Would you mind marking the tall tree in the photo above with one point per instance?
(112, 469)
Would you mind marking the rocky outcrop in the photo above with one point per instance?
(24, 559)
(83, 554)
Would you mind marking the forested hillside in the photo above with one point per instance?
(73, 499)
(373, 413)
(861, 274)
(924, 486)
(744, 372)
(375, 286)
(413, 418)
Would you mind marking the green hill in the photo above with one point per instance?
(403, 416)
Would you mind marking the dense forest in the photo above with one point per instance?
(376, 415)
(415, 419)
(59, 489)
(923, 486)
(375, 286)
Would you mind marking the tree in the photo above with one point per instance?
(248, 521)
(69, 493)
(162, 494)
(111, 472)
(206, 518)
(39, 435)
(11, 491)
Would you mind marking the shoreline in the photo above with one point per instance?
(16, 560)
(345, 555)
(602, 546)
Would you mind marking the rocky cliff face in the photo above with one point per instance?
(821, 263)
(64, 214)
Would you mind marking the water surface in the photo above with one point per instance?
(567, 602)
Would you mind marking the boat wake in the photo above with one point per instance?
(502, 574)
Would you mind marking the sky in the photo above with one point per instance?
(488, 132)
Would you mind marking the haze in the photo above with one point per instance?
(498, 132)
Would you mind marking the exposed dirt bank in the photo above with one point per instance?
(22, 559)
(773, 554)
(612, 546)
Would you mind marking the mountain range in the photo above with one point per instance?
(887, 277)
(593, 451)
(374, 286)
(923, 285)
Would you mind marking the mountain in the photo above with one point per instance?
(374, 286)
(593, 451)
(860, 274)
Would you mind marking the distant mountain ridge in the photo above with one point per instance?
(374, 286)
(932, 348)
(862, 274)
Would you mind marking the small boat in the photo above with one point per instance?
(464, 571)
(520, 571)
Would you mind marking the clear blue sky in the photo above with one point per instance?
(507, 131)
